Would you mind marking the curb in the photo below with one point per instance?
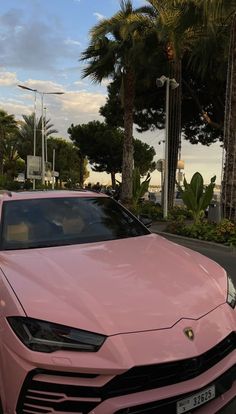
(200, 242)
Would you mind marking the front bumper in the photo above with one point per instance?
(73, 382)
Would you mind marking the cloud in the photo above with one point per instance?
(43, 86)
(33, 42)
(99, 16)
(8, 78)
(106, 82)
(80, 83)
(75, 106)
(83, 102)
(69, 41)
(17, 108)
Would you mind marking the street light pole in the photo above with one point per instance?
(53, 167)
(166, 167)
(173, 84)
(43, 126)
(43, 148)
(43, 131)
(35, 98)
(45, 135)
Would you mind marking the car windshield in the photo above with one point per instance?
(62, 221)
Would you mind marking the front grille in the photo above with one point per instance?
(168, 406)
(160, 375)
(45, 397)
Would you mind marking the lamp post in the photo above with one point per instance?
(170, 83)
(45, 138)
(43, 130)
(35, 98)
(43, 126)
(53, 167)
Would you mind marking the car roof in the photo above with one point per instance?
(26, 195)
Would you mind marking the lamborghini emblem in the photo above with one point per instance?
(189, 333)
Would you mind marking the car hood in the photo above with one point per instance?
(127, 285)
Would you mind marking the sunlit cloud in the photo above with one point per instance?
(99, 16)
(43, 85)
(8, 78)
(15, 108)
(83, 102)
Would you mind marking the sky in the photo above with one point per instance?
(40, 45)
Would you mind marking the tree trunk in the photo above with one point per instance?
(113, 180)
(228, 195)
(174, 128)
(81, 172)
(127, 163)
(1, 150)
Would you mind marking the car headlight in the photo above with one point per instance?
(231, 295)
(42, 336)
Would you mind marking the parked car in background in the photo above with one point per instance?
(100, 316)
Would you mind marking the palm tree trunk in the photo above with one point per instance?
(229, 181)
(127, 164)
(113, 180)
(174, 128)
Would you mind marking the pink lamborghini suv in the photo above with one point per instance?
(100, 316)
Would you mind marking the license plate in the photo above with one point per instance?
(187, 404)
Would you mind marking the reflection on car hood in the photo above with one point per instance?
(128, 285)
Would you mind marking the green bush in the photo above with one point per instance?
(151, 210)
(11, 185)
(224, 232)
(177, 226)
(179, 211)
(139, 188)
(196, 196)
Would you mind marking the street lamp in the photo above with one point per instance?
(35, 93)
(45, 138)
(42, 110)
(173, 84)
(43, 131)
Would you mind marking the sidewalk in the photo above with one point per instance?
(158, 227)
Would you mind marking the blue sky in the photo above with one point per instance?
(40, 45)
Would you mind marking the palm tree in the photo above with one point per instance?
(224, 17)
(219, 20)
(116, 48)
(176, 29)
(26, 135)
(228, 192)
(13, 164)
(8, 127)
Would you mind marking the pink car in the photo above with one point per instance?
(99, 316)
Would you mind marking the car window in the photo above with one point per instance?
(66, 220)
